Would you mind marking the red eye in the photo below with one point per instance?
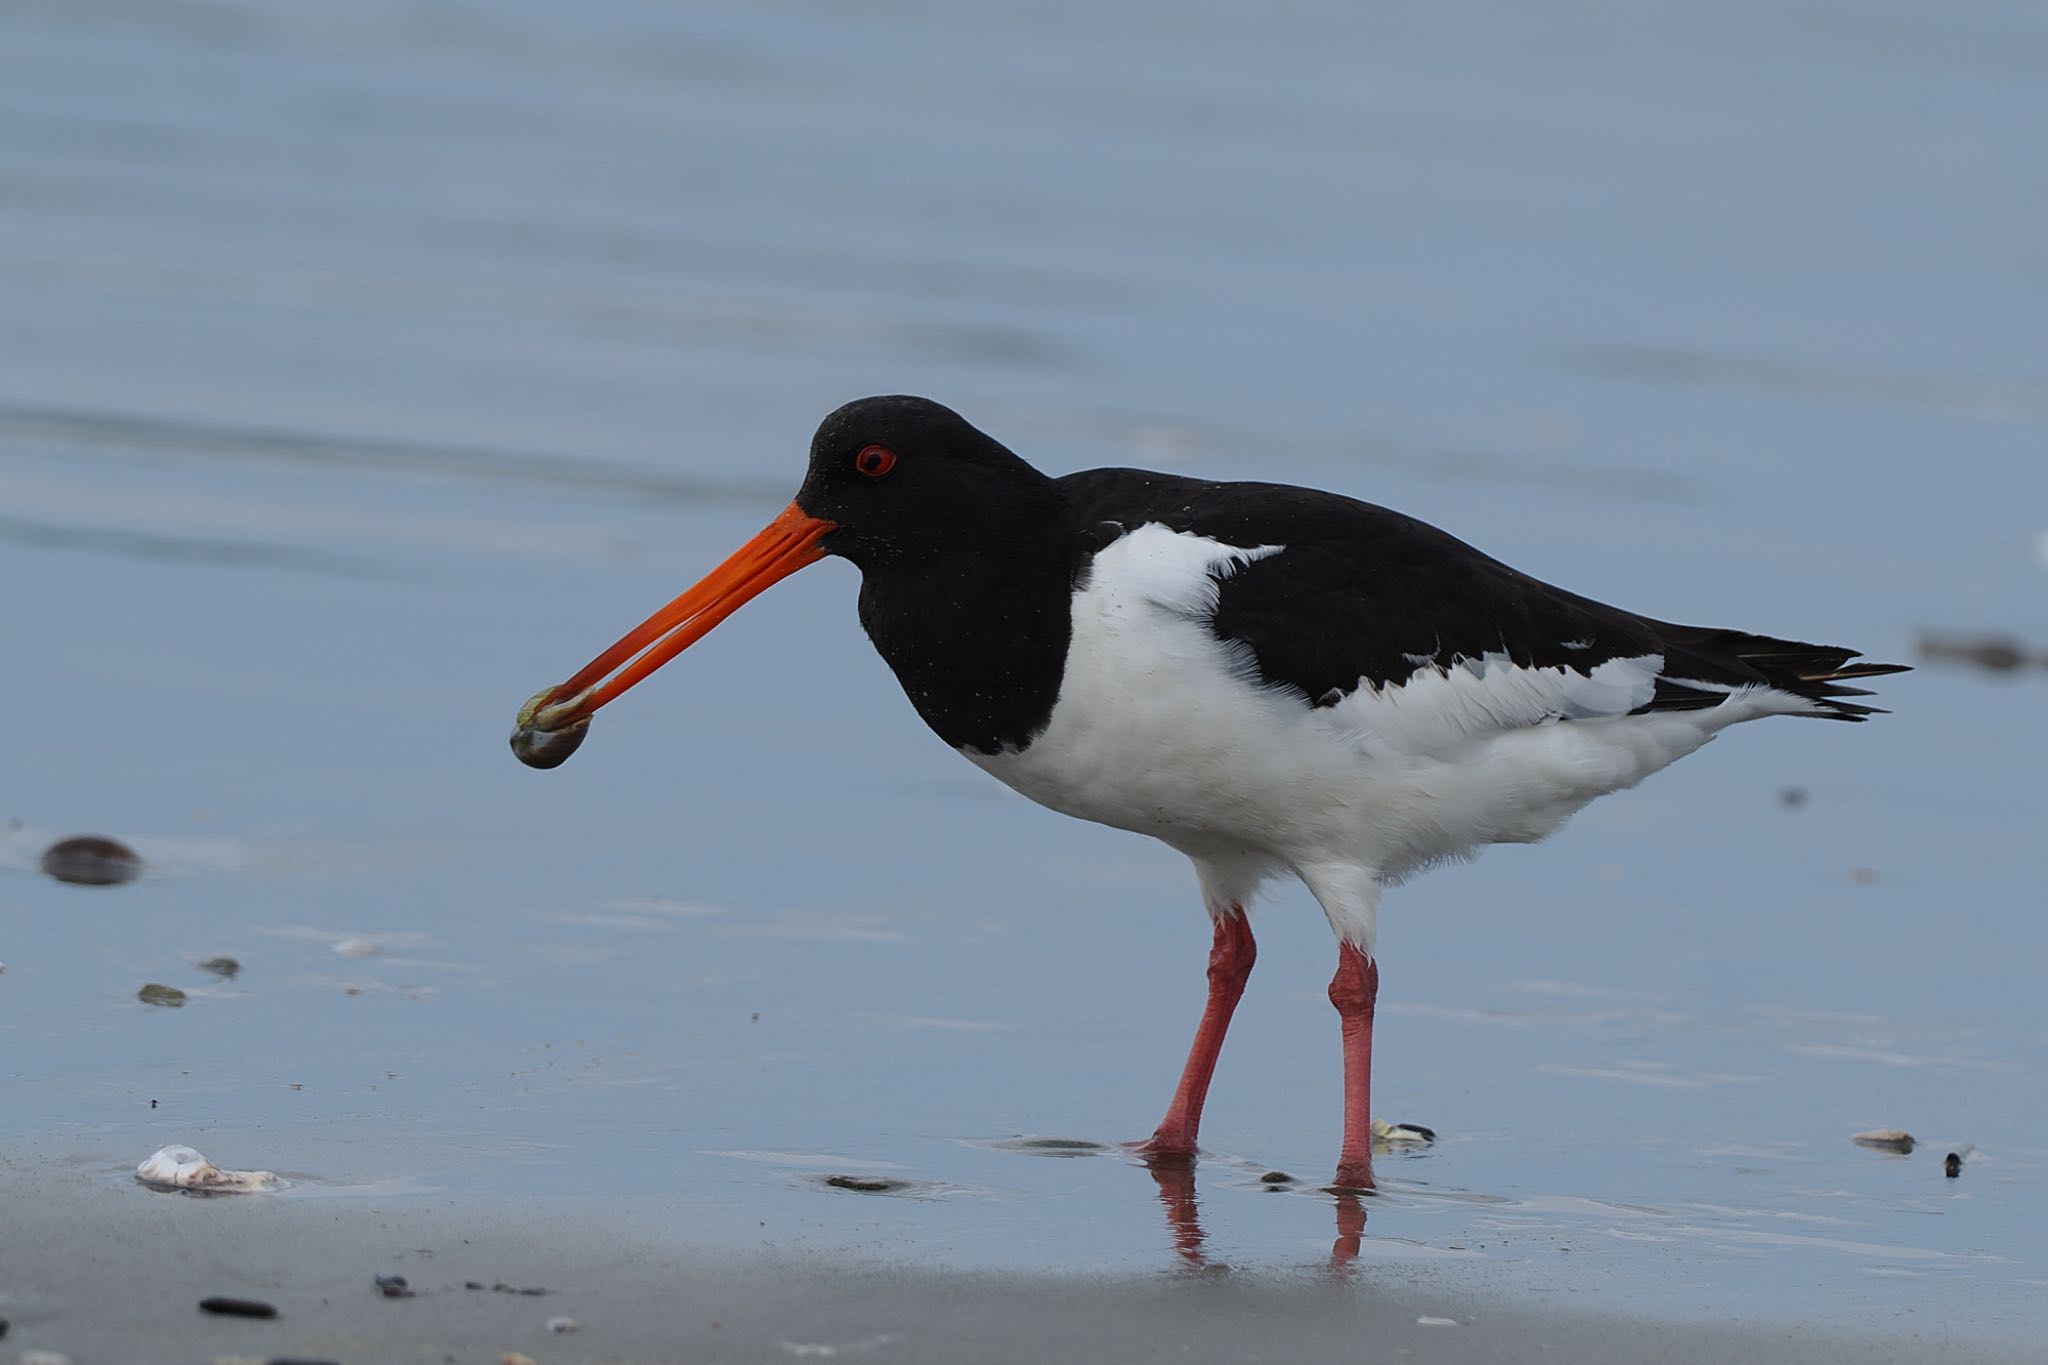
(875, 461)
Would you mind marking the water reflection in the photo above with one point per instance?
(1175, 1178)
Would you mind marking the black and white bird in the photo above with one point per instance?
(1273, 680)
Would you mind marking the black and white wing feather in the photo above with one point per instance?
(1345, 598)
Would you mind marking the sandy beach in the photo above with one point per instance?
(103, 1273)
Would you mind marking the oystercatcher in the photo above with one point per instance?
(1272, 680)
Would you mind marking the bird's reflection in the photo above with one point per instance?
(1350, 1228)
(1175, 1177)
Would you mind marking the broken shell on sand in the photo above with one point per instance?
(181, 1168)
(1386, 1134)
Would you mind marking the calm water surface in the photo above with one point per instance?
(365, 367)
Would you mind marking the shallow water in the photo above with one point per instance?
(366, 368)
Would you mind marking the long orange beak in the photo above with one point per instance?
(551, 725)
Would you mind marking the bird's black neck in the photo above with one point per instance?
(978, 637)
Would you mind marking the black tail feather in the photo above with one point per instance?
(1734, 658)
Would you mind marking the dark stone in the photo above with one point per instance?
(238, 1308)
(91, 860)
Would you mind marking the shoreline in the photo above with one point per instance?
(99, 1273)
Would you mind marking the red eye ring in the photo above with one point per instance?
(875, 461)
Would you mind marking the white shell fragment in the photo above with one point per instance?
(1887, 1139)
(181, 1168)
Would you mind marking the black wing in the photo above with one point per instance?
(1362, 594)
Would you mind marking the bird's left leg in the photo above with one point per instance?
(1231, 955)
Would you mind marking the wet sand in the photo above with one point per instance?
(103, 1271)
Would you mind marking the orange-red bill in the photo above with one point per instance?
(785, 545)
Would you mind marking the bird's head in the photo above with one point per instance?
(904, 481)
(895, 484)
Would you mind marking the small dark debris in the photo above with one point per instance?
(1952, 1165)
(224, 967)
(297, 1360)
(152, 1104)
(3, 1329)
(156, 993)
(1276, 1178)
(866, 1184)
(394, 1287)
(755, 1017)
(1992, 653)
(502, 1288)
(238, 1308)
(91, 860)
(1054, 1146)
(1792, 797)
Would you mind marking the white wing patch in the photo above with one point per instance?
(1440, 707)
(1157, 567)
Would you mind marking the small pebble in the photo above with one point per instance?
(1952, 1165)
(238, 1308)
(863, 1184)
(225, 967)
(1792, 797)
(157, 994)
(90, 860)
(296, 1360)
(394, 1287)
(1436, 1322)
(563, 1324)
(1887, 1140)
(1276, 1178)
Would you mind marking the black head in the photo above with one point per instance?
(906, 479)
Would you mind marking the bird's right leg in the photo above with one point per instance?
(1231, 955)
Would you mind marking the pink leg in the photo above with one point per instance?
(1230, 961)
(1353, 990)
